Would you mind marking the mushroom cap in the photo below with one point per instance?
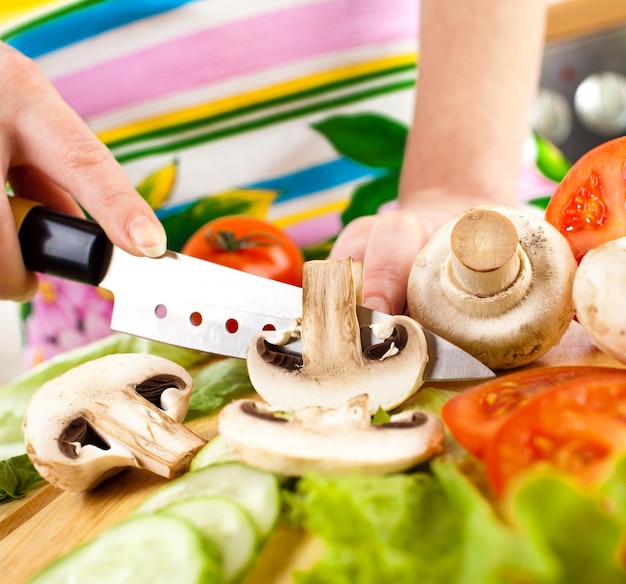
(508, 329)
(328, 441)
(598, 294)
(388, 381)
(99, 417)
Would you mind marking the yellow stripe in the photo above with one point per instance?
(288, 220)
(250, 98)
(31, 8)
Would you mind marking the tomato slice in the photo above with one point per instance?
(474, 416)
(588, 207)
(577, 427)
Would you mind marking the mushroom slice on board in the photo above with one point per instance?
(497, 282)
(338, 360)
(329, 441)
(117, 411)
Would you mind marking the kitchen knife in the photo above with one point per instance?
(184, 301)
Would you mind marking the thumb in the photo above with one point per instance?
(395, 240)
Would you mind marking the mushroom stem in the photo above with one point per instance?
(338, 362)
(485, 256)
(331, 339)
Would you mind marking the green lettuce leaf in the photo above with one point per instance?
(217, 384)
(436, 526)
(570, 522)
(17, 477)
(423, 527)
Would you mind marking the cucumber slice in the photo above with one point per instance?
(152, 549)
(213, 452)
(227, 524)
(255, 490)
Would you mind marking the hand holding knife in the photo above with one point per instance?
(184, 301)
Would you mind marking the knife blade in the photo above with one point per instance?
(185, 301)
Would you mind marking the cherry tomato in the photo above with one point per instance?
(577, 427)
(588, 207)
(250, 245)
(474, 416)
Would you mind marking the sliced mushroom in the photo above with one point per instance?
(329, 441)
(497, 282)
(117, 411)
(338, 360)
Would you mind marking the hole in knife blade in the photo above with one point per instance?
(160, 311)
(269, 327)
(195, 319)
(232, 326)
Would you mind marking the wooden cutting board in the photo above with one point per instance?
(49, 522)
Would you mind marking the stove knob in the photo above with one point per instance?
(600, 103)
(552, 116)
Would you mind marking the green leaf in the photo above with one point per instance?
(612, 494)
(431, 399)
(181, 225)
(423, 527)
(380, 417)
(540, 202)
(568, 521)
(369, 139)
(368, 197)
(17, 477)
(217, 384)
(319, 251)
(550, 160)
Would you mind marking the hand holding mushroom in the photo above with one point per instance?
(497, 282)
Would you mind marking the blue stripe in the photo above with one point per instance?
(85, 22)
(318, 178)
(302, 183)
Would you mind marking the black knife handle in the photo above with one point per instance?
(63, 245)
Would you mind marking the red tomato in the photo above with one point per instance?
(250, 245)
(588, 207)
(577, 427)
(474, 416)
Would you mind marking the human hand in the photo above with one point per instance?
(48, 154)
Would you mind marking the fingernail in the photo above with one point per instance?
(149, 238)
(378, 303)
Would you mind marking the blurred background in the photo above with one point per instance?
(582, 99)
(580, 104)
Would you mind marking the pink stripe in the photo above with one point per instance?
(235, 49)
(315, 230)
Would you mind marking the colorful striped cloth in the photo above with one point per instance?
(292, 109)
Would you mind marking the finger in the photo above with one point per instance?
(31, 183)
(16, 282)
(352, 241)
(395, 240)
(50, 136)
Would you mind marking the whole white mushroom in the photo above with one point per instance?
(599, 298)
(497, 282)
